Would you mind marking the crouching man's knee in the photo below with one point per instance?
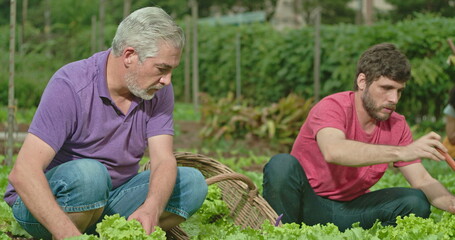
(189, 192)
(417, 203)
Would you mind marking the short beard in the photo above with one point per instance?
(370, 107)
(133, 87)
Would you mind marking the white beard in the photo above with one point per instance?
(133, 87)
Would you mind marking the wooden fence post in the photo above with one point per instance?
(101, 19)
(23, 23)
(317, 54)
(452, 47)
(126, 8)
(187, 77)
(194, 13)
(11, 103)
(238, 66)
(47, 26)
(93, 37)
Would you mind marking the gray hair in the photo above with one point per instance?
(144, 30)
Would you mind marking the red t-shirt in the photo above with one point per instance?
(338, 182)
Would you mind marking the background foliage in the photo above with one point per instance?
(277, 123)
(406, 9)
(274, 64)
(277, 85)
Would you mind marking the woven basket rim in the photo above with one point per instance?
(248, 208)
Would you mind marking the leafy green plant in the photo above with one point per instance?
(408, 228)
(225, 117)
(234, 119)
(215, 209)
(8, 223)
(275, 64)
(115, 227)
(214, 214)
(212, 221)
(185, 112)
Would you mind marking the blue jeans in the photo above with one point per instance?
(85, 184)
(287, 190)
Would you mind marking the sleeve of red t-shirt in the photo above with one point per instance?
(327, 113)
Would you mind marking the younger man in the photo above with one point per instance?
(345, 146)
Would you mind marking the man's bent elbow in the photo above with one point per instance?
(330, 158)
(17, 176)
(13, 177)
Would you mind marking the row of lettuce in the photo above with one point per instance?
(212, 221)
(203, 226)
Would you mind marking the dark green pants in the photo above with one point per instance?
(288, 192)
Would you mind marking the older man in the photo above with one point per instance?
(96, 117)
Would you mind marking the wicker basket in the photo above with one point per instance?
(247, 207)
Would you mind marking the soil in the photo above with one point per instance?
(187, 138)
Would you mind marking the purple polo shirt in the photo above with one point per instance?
(78, 119)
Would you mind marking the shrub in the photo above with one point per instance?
(279, 122)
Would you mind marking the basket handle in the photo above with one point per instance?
(235, 176)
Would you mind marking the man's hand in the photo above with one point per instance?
(163, 174)
(148, 219)
(452, 206)
(424, 147)
(418, 177)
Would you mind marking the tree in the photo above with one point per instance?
(288, 14)
(406, 9)
(332, 11)
(369, 13)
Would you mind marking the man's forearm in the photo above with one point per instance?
(337, 149)
(34, 191)
(438, 195)
(162, 181)
(353, 153)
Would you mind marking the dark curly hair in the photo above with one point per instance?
(383, 60)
